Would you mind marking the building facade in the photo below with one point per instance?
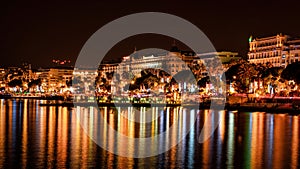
(84, 80)
(225, 57)
(172, 62)
(42, 74)
(279, 50)
(2, 78)
(58, 78)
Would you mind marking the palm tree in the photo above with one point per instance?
(271, 76)
(34, 83)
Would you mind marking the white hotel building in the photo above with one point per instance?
(173, 61)
(280, 50)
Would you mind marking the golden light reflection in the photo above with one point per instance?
(177, 118)
(279, 140)
(207, 145)
(42, 130)
(76, 152)
(222, 125)
(110, 139)
(51, 126)
(192, 140)
(295, 141)
(11, 111)
(231, 141)
(85, 148)
(58, 140)
(25, 134)
(257, 140)
(2, 131)
(174, 135)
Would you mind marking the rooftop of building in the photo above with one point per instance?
(289, 37)
(268, 37)
(220, 54)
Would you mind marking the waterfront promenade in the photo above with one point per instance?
(264, 104)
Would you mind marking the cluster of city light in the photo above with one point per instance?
(58, 81)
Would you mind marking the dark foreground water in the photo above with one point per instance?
(51, 137)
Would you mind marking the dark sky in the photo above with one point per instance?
(39, 32)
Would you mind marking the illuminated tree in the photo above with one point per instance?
(292, 72)
(15, 83)
(271, 76)
(240, 75)
(34, 83)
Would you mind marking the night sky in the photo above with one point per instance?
(39, 32)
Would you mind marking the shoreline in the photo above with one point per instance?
(274, 108)
(201, 106)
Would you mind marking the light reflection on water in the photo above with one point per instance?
(47, 137)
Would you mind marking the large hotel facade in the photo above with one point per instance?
(279, 50)
(173, 61)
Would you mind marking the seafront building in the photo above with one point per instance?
(2, 78)
(279, 50)
(58, 78)
(43, 75)
(53, 79)
(172, 62)
(225, 57)
(84, 80)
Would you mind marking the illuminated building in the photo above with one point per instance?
(135, 64)
(42, 74)
(86, 77)
(224, 56)
(2, 77)
(26, 71)
(109, 67)
(173, 61)
(58, 78)
(279, 50)
(14, 73)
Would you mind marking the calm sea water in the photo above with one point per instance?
(51, 137)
